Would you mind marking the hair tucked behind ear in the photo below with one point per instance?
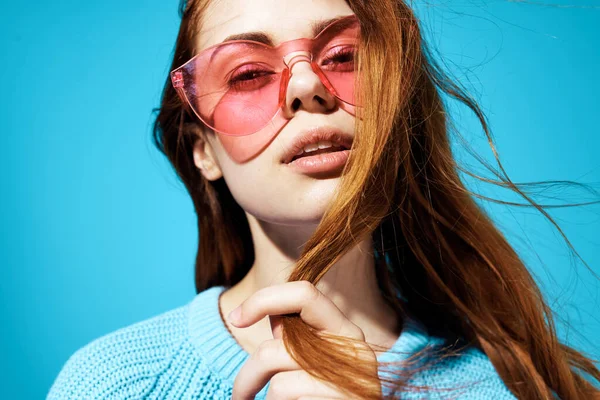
(455, 270)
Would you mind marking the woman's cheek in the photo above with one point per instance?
(250, 186)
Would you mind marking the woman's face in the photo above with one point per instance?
(264, 186)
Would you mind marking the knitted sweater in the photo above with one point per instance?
(188, 353)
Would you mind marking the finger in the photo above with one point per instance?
(270, 358)
(291, 385)
(302, 297)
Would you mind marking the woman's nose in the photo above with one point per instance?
(306, 91)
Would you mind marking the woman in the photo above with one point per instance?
(313, 141)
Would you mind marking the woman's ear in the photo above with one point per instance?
(204, 158)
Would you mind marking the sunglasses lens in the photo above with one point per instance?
(236, 88)
(337, 64)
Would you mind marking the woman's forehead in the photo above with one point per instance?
(281, 20)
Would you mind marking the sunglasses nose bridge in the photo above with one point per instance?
(295, 57)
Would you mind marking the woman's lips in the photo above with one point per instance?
(319, 163)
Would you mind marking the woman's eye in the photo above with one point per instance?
(251, 79)
(248, 75)
(344, 57)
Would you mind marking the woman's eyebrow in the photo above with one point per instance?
(264, 37)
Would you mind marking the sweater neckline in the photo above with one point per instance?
(225, 356)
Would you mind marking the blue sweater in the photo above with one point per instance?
(188, 353)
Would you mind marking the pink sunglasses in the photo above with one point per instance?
(238, 88)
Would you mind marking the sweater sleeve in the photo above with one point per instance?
(123, 364)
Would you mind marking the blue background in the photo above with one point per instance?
(98, 234)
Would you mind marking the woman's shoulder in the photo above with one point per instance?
(181, 353)
(126, 362)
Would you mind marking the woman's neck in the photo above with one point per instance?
(351, 284)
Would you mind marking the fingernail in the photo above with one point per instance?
(235, 316)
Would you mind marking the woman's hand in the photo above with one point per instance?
(271, 361)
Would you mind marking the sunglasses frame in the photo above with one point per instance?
(300, 45)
